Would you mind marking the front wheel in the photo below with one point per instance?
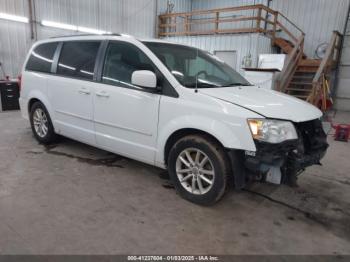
(199, 169)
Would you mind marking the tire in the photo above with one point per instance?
(41, 124)
(196, 188)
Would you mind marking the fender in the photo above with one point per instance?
(222, 131)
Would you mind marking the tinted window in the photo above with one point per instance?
(77, 59)
(122, 59)
(41, 58)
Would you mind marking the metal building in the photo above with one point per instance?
(317, 18)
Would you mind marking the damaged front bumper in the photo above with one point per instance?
(283, 162)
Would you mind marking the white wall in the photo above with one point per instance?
(136, 17)
(14, 37)
(343, 89)
(317, 18)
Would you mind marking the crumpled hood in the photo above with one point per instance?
(269, 103)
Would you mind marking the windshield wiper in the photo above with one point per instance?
(208, 85)
(201, 85)
(237, 84)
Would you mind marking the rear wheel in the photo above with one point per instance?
(199, 169)
(41, 124)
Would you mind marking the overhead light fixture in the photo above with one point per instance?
(92, 31)
(126, 35)
(15, 18)
(59, 25)
(74, 27)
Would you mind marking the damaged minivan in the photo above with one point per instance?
(172, 106)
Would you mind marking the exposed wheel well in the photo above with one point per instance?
(182, 133)
(31, 103)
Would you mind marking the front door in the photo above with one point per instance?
(125, 116)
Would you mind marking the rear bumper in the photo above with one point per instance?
(290, 157)
(23, 104)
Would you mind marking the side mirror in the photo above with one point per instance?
(144, 78)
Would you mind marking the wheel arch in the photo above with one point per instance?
(37, 96)
(178, 134)
(31, 103)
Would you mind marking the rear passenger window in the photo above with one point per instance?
(77, 59)
(41, 58)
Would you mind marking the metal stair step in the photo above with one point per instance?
(298, 89)
(307, 77)
(301, 83)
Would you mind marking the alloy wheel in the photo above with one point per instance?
(40, 122)
(195, 171)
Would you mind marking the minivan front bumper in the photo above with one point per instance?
(290, 157)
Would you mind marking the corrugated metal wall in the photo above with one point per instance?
(343, 88)
(317, 18)
(178, 6)
(210, 4)
(136, 17)
(243, 44)
(129, 16)
(14, 37)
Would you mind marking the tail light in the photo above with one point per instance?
(19, 83)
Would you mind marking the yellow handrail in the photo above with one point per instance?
(328, 61)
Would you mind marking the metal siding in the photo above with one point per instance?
(135, 17)
(179, 6)
(14, 37)
(317, 18)
(209, 4)
(343, 89)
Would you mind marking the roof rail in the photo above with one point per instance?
(114, 34)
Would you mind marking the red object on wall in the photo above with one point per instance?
(342, 132)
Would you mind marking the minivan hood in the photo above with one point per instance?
(269, 103)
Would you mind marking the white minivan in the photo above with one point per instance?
(172, 106)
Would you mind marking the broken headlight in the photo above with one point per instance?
(272, 131)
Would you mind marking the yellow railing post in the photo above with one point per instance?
(258, 22)
(275, 20)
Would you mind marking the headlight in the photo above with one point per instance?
(272, 131)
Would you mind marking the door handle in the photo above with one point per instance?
(84, 91)
(102, 94)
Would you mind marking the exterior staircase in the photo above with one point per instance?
(300, 84)
(308, 79)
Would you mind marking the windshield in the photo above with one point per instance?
(195, 68)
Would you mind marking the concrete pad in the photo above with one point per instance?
(74, 199)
